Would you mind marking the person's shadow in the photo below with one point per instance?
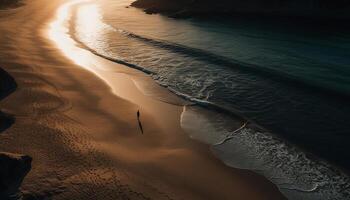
(138, 119)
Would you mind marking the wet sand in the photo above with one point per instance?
(81, 128)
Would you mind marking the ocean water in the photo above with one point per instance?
(292, 79)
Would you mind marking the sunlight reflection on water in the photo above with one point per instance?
(89, 19)
(58, 32)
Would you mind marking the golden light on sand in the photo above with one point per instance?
(59, 33)
(88, 19)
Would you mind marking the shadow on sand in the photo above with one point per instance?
(139, 121)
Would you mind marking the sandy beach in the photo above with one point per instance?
(80, 126)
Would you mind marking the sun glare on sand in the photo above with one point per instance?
(59, 30)
(89, 19)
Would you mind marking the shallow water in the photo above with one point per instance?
(289, 79)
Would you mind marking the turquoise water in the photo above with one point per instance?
(291, 78)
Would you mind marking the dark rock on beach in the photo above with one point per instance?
(7, 83)
(6, 121)
(7, 86)
(8, 3)
(13, 169)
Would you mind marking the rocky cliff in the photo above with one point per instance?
(329, 9)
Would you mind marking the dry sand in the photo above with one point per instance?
(85, 140)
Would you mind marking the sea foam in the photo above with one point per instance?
(297, 174)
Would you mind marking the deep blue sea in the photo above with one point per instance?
(290, 77)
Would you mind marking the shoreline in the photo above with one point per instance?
(84, 139)
(317, 164)
(283, 159)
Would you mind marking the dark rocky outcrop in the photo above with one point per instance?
(7, 86)
(321, 9)
(13, 169)
(8, 3)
